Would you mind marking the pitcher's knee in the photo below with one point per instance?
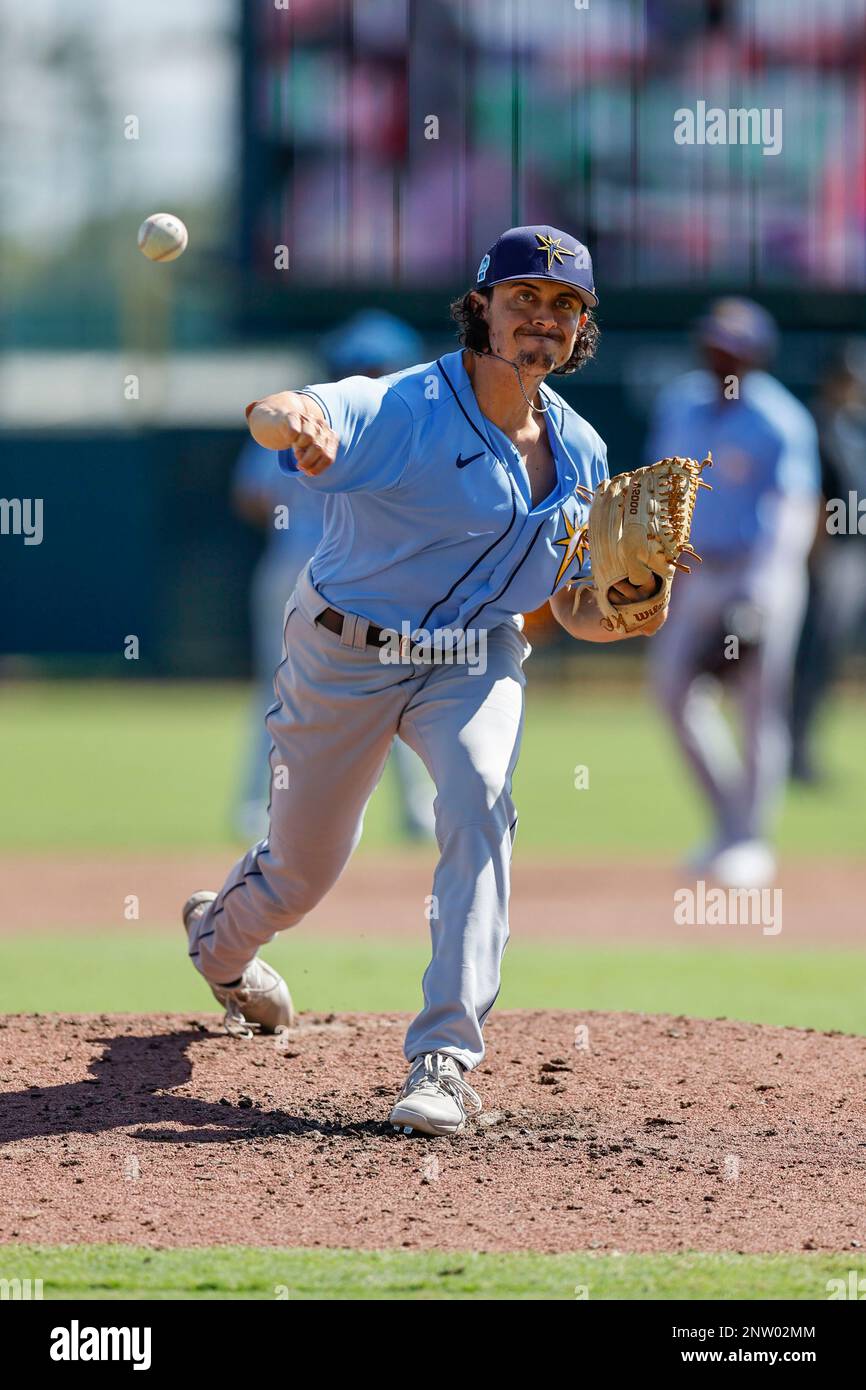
(492, 816)
(294, 900)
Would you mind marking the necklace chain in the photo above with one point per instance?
(490, 353)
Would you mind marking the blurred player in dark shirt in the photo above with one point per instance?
(837, 599)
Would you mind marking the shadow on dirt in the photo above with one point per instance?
(127, 1086)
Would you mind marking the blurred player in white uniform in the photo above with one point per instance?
(371, 344)
(737, 621)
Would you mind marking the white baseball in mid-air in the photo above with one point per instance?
(162, 237)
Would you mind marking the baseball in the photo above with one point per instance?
(162, 237)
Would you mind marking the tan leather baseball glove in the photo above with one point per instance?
(639, 526)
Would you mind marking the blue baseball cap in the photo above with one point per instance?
(740, 327)
(539, 253)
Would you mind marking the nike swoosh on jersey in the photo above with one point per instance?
(462, 462)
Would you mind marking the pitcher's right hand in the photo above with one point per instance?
(290, 420)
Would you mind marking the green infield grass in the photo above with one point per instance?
(156, 765)
(120, 1271)
(129, 972)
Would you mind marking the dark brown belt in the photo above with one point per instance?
(333, 621)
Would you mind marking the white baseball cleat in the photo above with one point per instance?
(435, 1097)
(746, 864)
(261, 995)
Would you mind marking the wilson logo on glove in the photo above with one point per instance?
(643, 543)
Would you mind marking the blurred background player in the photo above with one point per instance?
(739, 617)
(372, 344)
(837, 592)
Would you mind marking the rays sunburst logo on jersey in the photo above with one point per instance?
(574, 546)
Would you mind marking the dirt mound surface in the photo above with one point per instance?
(601, 1131)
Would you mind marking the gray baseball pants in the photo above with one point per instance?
(337, 710)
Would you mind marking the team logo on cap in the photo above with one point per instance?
(554, 248)
(482, 270)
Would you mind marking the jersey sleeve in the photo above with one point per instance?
(785, 507)
(374, 427)
(798, 468)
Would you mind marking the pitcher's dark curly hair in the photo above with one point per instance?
(472, 332)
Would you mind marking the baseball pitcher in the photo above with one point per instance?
(457, 496)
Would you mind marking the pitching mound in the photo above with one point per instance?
(633, 1133)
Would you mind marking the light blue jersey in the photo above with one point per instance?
(764, 448)
(429, 517)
